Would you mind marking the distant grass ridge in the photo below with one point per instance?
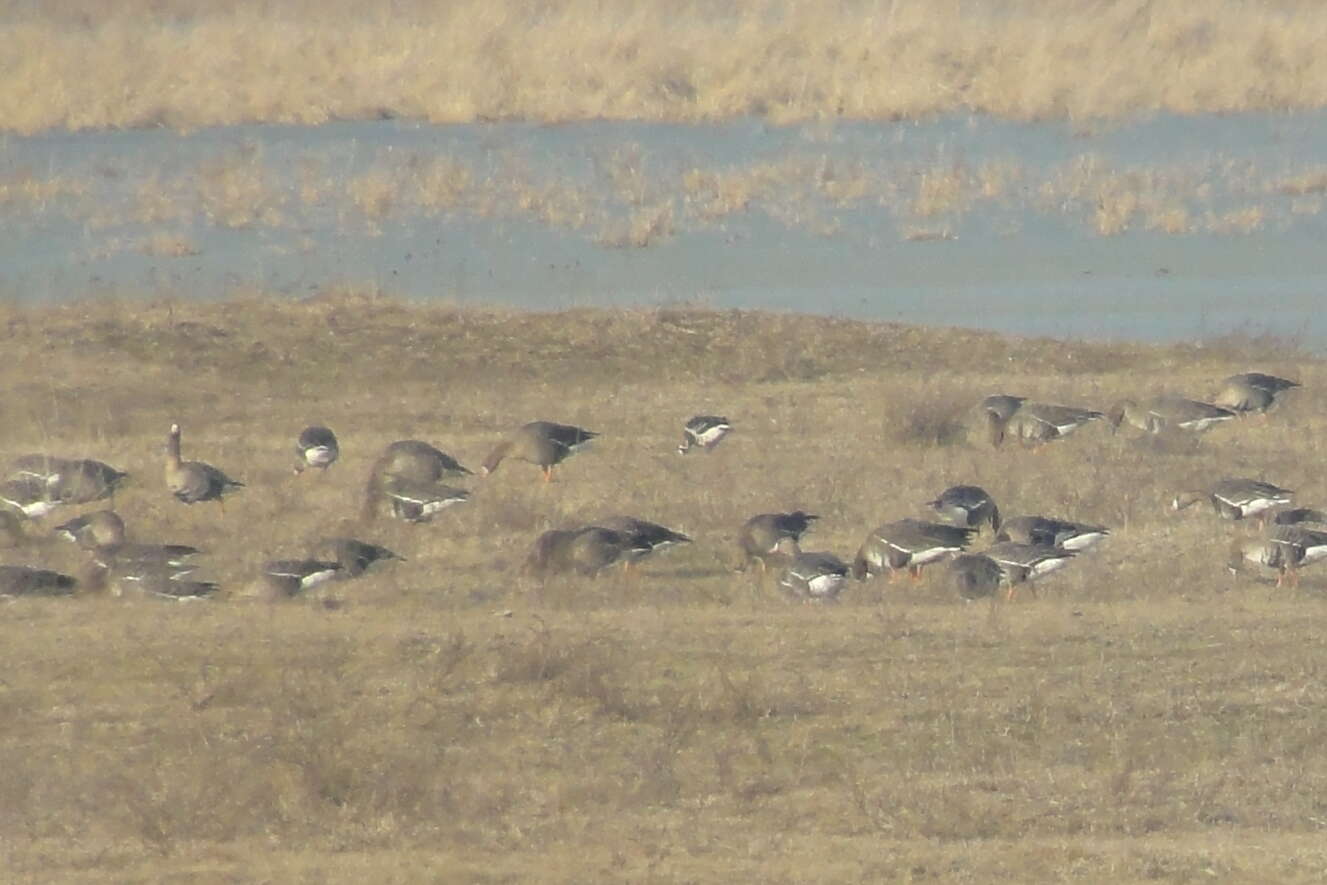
(80, 64)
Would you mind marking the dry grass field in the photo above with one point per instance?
(449, 719)
(191, 63)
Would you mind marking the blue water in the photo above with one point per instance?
(1012, 264)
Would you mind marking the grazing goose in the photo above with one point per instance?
(541, 443)
(103, 534)
(1286, 549)
(28, 496)
(405, 465)
(1025, 563)
(1252, 391)
(69, 480)
(967, 506)
(587, 551)
(155, 580)
(1236, 498)
(761, 534)
(646, 537)
(977, 576)
(910, 544)
(1002, 405)
(418, 501)
(19, 580)
(316, 447)
(194, 481)
(288, 578)
(704, 431)
(1043, 530)
(1300, 515)
(1037, 423)
(812, 577)
(354, 556)
(1165, 412)
(1305, 547)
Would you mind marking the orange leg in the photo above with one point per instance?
(548, 473)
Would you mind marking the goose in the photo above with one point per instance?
(1026, 563)
(541, 443)
(705, 431)
(967, 506)
(355, 556)
(1286, 549)
(1036, 423)
(20, 580)
(1050, 532)
(287, 578)
(1167, 411)
(760, 536)
(406, 464)
(977, 576)
(418, 501)
(69, 480)
(1252, 391)
(194, 481)
(316, 447)
(27, 496)
(1299, 515)
(910, 544)
(1003, 405)
(1236, 498)
(587, 551)
(102, 533)
(646, 537)
(156, 580)
(812, 577)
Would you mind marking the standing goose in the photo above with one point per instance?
(967, 506)
(1286, 549)
(1037, 423)
(761, 534)
(910, 544)
(288, 578)
(1252, 391)
(354, 556)
(704, 431)
(1049, 532)
(411, 467)
(316, 447)
(194, 481)
(1166, 412)
(812, 577)
(419, 501)
(19, 580)
(541, 443)
(1236, 498)
(1025, 563)
(586, 551)
(645, 537)
(103, 534)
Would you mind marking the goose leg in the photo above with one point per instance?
(548, 473)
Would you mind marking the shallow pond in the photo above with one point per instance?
(1172, 228)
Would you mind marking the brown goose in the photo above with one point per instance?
(1025, 563)
(19, 580)
(541, 443)
(1038, 423)
(69, 480)
(646, 537)
(1286, 549)
(1169, 412)
(1252, 392)
(413, 468)
(1236, 498)
(417, 501)
(355, 556)
(586, 551)
(967, 506)
(704, 432)
(1043, 530)
(316, 447)
(760, 536)
(1003, 405)
(194, 481)
(154, 580)
(103, 535)
(977, 576)
(288, 578)
(810, 576)
(910, 544)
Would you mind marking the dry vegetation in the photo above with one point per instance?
(1145, 719)
(81, 64)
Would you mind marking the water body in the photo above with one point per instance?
(283, 209)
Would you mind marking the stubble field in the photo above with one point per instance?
(1146, 718)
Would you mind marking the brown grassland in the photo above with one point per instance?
(1146, 718)
(191, 63)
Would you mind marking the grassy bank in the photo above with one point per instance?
(79, 64)
(1146, 718)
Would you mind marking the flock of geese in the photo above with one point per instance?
(410, 480)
